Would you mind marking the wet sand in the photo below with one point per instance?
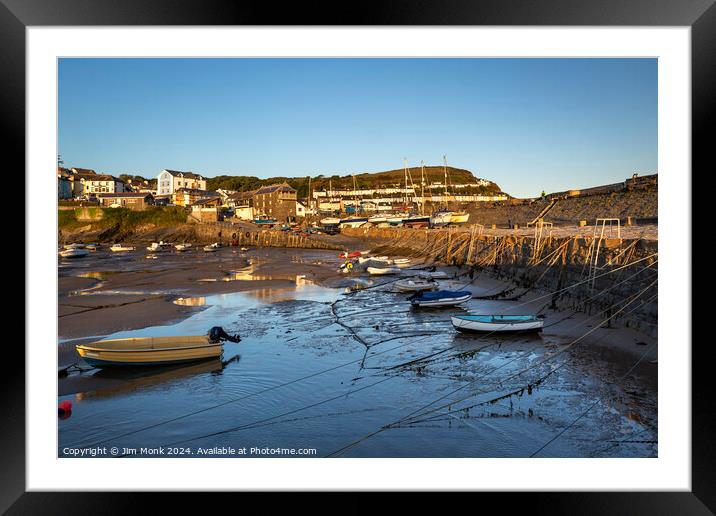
(285, 332)
(132, 291)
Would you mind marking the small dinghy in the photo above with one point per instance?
(182, 247)
(119, 248)
(354, 254)
(92, 247)
(244, 249)
(153, 351)
(74, 253)
(415, 285)
(74, 246)
(212, 248)
(440, 298)
(160, 247)
(378, 271)
(381, 260)
(501, 323)
(434, 274)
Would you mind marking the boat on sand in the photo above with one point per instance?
(118, 248)
(379, 271)
(440, 298)
(160, 247)
(495, 323)
(415, 285)
(74, 253)
(152, 351)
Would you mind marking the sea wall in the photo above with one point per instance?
(635, 204)
(244, 236)
(614, 276)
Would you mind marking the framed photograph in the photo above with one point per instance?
(419, 252)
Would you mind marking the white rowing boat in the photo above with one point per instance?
(74, 253)
(182, 247)
(415, 285)
(495, 323)
(379, 271)
(212, 248)
(118, 248)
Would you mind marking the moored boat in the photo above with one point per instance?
(440, 298)
(415, 285)
(160, 247)
(379, 271)
(353, 222)
(118, 248)
(378, 220)
(74, 253)
(440, 218)
(182, 247)
(75, 246)
(354, 254)
(152, 351)
(264, 221)
(494, 323)
(417, 221)
(459, 217)
(211, 248)
(395, 220)
(92, 247)
(432, 274)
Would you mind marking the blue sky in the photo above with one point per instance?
(527, 124)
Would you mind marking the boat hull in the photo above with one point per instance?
(74, 253)
(459, 218)
(376, 271)
(440, 302)
(415, 286)
(441, 219)
(138, 352)
(476, 326)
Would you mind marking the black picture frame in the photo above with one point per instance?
(700, 15)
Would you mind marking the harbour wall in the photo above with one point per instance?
(614, 277)
(245, 236)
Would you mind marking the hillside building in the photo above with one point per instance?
(169, 181)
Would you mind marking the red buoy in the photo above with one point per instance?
(64, 408)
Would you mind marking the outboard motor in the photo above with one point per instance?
(217, 334)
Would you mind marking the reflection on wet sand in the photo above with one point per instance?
(190, 301)
(126, 380)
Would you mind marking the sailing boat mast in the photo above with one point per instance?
(405, 165)
(446, 178)
(422, 184)
(309, 192)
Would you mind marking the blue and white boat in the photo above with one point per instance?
(494, 323)
(440, 298)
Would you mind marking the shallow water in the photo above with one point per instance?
(300, 380)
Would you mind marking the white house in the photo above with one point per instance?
(102, 183)
(169, 181)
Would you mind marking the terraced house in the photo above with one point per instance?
(276, 202)
(102, 183)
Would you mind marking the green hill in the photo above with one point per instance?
(388, 178)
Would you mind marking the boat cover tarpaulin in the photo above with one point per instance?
(442, 294)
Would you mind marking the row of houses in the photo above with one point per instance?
(186, 189)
